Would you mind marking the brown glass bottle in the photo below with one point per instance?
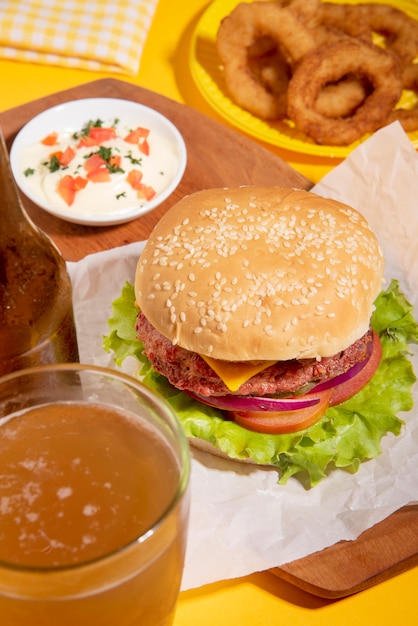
(36, 314)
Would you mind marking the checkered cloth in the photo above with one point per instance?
(98, 35)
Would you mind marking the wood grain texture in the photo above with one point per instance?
(219, 157)
(386, 549)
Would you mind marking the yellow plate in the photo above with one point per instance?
(208, 76)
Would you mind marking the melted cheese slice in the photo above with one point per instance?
(235, 374)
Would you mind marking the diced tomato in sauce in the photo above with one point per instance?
(115, 160)
(66, 189)
(94, 162)
(50, 140)
(134, 178)
(99, 175)
(96, 136)
(144, 147)
(146, 191)
(136, 135)
(67, 156)
(80, 182)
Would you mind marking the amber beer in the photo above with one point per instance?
(93, 502)
(36, 310)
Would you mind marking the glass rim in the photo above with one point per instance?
(184, 457)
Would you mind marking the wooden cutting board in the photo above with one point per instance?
(219, 157)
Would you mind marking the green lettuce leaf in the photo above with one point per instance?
(347, 434)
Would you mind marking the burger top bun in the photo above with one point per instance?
(254, 273)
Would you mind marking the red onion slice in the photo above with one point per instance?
(254, 403)
(348, 375)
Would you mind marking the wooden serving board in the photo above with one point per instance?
(219, 157)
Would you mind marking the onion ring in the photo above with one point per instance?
(407, 117)
(269, 68)
(341, 99)
(305, 10)
(238, 33)
(329, 64)
(398, 29)
(345, 17)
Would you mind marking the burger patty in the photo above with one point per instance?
(187, 370)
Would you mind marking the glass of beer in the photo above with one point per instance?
(94, 500)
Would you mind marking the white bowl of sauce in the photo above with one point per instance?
(98, 161)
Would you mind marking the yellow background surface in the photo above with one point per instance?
(260, 599)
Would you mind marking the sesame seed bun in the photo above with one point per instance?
(254, 273)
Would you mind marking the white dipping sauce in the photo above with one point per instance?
(101, 198)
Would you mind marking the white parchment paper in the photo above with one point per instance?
(242, 521)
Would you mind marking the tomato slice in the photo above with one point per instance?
(282, 422)
(346, 390)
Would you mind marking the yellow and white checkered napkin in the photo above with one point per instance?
(98, 35)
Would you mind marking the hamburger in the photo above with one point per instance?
(254, 318)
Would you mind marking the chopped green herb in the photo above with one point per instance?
(132, 159)
(53, 164)
(121, 195)
(104, 153)
(113, 169)
(28, 171)
(97, 124)
(85, 130)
